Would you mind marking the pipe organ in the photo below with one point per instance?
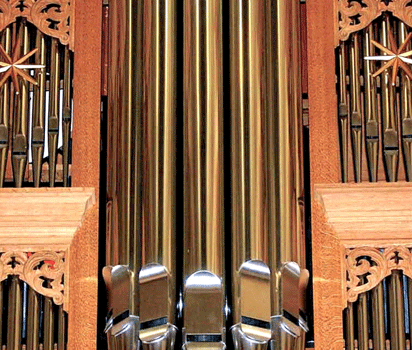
(219, 217)
(190, 281)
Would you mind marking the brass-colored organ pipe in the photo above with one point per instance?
(410, 303)
(61, 338)
(14, 314)
(406, 109)
(158, 117)
(124, 168)
(48, 324)
(396, 310)
(266, 173)
(203, 171)
(249, 168)
(370, 103)
(21, 118)
(363, 332)
(378, 317)
(389, 118)
(4, 111)
(355, 107)
(53, 118)
(67, 103)
(343, 112)
(33, 320)
(39, 96)
(283, 107)
(350, 328)
(203, 137)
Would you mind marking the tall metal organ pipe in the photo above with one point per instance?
(267, 191)
(141, 175)
(203, 270)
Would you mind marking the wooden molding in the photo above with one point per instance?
(351, 221)
(38, 227)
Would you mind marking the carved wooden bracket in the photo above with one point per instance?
(375, 264)
(36, 270)
(352, 16)
(52, 17)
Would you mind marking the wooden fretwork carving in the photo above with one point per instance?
(35, 269)
(52, 17)
(353, 16)
(375, 264)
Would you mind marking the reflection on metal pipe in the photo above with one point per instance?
(371, 111)
(363, 332)
(4, 111)
(343, 112)
(203, 179)
(406, 109)
(350, 328)
(21, 115)
(389, 119)
(54, 109)
(378, 317)
(67, 103)
(39, 97)
(48, 326)
(157, 277)
(355, 108)
(14, 314)
(266, 175)
(61, 323)
(124, 186)
(396, 310)
(33, 320)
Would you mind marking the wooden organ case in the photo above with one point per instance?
(49, 173)
(360, 151)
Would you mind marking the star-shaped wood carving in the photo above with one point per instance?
(14, 66)
(396, 57)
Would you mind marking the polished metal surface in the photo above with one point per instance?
(378, 321)
(54, 106)
(389, 118)
(20, 116)
(15, 315)
(343, 112)
(141, 163)
(5, 111)
(356, 117)
(370, 106)
(267, 183)
(269, 279)
(203, 266)
(39, 101)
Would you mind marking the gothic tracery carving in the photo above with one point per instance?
(52, 17)
(356, 15)
(366, 267)
(43, 271)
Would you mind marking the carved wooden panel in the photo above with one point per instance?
(352, 16)
(359, 230)
(36, 269)
(376, 264)
(52, 17)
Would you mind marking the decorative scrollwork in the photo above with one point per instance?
(366, 267)
(43, 271)
(52, 17)
(356, 15)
